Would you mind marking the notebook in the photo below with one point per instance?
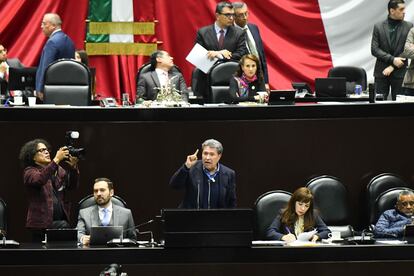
(100, 235)
(330, 87)
(61, 237)
(282, 97)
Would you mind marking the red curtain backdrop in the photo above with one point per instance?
(292, 31)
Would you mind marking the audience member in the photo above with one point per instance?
(46, 181)
(104, 213)
(248, 80)
(298, 217)
(207, 183)
(387, 45)
(222, 40)
(392, 222)
(254, 43)
(58, 46)
(162, 71)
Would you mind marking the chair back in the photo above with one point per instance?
(330, 199)
(356, 75)
(219, 80)
(377, 185)
(387, 200)
(89, 201)
(67, 82)
(266, 208)
(3, 215)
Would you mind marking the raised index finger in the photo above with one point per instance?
(195, 153)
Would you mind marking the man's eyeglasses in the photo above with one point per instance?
(228, 15)
(42, 150)
(241, 15)
(406, 203)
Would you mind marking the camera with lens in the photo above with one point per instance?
(71, 136)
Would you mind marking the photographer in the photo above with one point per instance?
(46, 181)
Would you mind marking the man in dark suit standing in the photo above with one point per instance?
(58, 46)
(207, 183)
(161, 72)
(387, 45)
(254, 43)
(222, 40)
(104, 213)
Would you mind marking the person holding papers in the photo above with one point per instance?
(248, 80)
(299, 218)
(222, 40)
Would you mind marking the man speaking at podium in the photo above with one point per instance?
(104, 213)
(207, 183)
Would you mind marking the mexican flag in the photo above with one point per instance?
(112, 28)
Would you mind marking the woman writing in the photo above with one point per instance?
(297, 218)
(248, 80)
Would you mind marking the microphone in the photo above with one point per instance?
(138, 225)
(136, 228)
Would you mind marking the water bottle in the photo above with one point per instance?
(358, 89)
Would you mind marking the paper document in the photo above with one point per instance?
(306, 236)
(198, 58)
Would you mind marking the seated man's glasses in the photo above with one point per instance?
(228, 15)
(406, 203)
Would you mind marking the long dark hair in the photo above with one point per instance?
(289, 215)
(28, 151)
(259, 72)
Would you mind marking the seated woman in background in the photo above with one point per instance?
(248, 80)
(297, 218)
(82, 56)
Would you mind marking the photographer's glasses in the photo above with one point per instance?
(42, 150)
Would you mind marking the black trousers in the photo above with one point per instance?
(382, 86)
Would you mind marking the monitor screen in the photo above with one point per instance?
(22, 78)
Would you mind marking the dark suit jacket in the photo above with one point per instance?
(148, 81)
(382, 50)
(89, 217)
(234, 41)
(260, 49)
(58, 46)
(38, 183)
(191, 180)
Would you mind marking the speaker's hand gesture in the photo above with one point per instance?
(191, 160)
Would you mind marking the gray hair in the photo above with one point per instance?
(405, 193)
(238, 5)
(212, 143)
(54, 19)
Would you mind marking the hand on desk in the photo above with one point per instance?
(289, 238)
(85, 240)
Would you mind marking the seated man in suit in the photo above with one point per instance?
(207, 183)
(5, 64)
(104, 213)
(392, 222)
(162, 71)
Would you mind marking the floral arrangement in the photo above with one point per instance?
(167, 93)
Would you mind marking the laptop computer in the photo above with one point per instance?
(409, 233)
(330, 87)
(61, 237)
(208, 227)
(282, 97)
(100, 235)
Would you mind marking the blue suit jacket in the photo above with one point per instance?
(260, 49)
(58, 46)
(192, 179)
